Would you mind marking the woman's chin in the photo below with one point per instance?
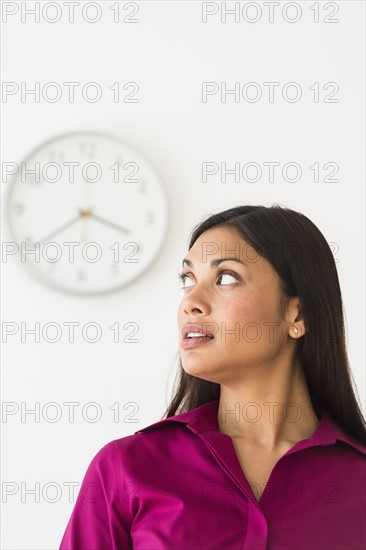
(200, 371)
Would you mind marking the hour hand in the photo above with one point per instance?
(106, 222)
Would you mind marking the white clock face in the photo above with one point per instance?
(87, 212)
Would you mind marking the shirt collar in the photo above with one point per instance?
(204, 418)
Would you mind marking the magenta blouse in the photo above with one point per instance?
(177, 484)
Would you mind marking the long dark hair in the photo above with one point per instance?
(306, 266)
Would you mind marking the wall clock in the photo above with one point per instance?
(92, 208)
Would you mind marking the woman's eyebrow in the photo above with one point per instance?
(215, 262)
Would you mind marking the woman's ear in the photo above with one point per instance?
(294, 318)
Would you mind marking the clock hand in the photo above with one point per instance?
(45, 239)
(107, 222)
(84, 231)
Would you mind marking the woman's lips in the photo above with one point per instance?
(195, 341)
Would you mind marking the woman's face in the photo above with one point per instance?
(240, 307)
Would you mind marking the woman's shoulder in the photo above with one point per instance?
(330, 428)
(134, 441)
(160, 436)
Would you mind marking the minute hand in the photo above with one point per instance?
(111, 224)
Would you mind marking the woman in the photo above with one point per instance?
(263, 446)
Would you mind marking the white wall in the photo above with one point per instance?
(169, 53)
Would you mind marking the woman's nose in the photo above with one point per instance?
(195, 301)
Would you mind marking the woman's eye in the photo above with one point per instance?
(227, 275)
(187, 282)
(184, 278)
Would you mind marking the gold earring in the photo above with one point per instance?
(296, 331)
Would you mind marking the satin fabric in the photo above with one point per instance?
(177, 484)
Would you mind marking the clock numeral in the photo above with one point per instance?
(142, 187)
(114, 269)
(29, 240)
(82, 276)
(150, 218)
(19, 208)
(88, 149)
(56, 156)
(33, 179)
